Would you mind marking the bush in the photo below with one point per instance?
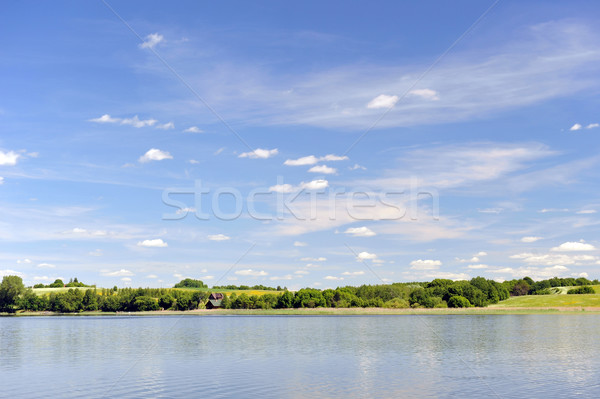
(144, 302)
(586, 289)
(458, 301)
(396, 303)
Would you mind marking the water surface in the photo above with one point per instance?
(395, 356)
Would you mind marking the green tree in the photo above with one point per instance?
(10, 290)
(458, 301)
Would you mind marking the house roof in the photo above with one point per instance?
(215, 295)
(215, 302)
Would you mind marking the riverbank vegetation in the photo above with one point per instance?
(193, 294)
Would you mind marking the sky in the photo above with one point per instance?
(309, 144)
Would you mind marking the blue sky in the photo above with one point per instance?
(299, 145)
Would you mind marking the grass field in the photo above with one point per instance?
(557, 300)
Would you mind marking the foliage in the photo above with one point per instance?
(190, 283)
(10, 290)
(258, 287)
(458, 301)
(586, 289)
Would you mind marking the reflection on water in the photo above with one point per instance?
(298, 357)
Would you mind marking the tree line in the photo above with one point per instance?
(439, 293)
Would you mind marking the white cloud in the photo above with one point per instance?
(166, 126)
(26, 261)
(334, 158)
(193, 162)
(48, 265)
(155, 243)
(259, 153)
(155, 154)
(218, 237)
(490, 210)
(250, 272)
(315, 184)
(554, 259)
(426, 94)
(302, 272)
(360, 232)
(320, 259)
(576, 126)
(309, 160)
(333, 278)
(382, 101)
(220, 150)
(586, 212)
(116, 273)
(152, 276)
(193, 129)
(323, 169)
(8, 158)
(208, 277)
(427, 264)
(592, 125)
(357, 166)
(106, 118)
(152, 40)
(365, 256)
(530, 239)
(282, 188)
(79, 230)
(1, 180)
(573, 246)
(481, 253)
(9, 272)
(479, 266)
(353, 274)
(300, 244)
(126, 279)
(137, 123)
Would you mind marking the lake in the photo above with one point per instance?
(418, 356)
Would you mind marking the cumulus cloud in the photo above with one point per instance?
(166, 126)
(218, 237)
(554, 259)
(253, 273)
(25, 261)
(315, 185)
(426, 94)
(592, 125)
(365, 256)
(286, 277)
(309, 160)
(323, 169)
(576, 126)
(573, 246)
(529, 239)
(126, 279)
(479, 266)
(155, 243)
(48, 265)
(382, 101)
(106, 118)
(360, 232)
(9, 272)
(356, 167)
(116, 273)
(259, 153)
(300, 244)
(1, 180)
(319, 259)
(152, 276)
(152, 40)
(9, 158)
(155, 154)
(301, 272)
(282, 188)
(586, 212)
(353, 274)
(333, 278)
(193, 129)
(137, 123)
(427, 264)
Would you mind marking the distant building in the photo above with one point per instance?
(214, 300)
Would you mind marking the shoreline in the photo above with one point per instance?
(331, 312)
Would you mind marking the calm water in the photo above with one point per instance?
(523, 356)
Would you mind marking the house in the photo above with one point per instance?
(214, 300)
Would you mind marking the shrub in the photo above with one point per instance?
(458, 301)
(586, 289)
